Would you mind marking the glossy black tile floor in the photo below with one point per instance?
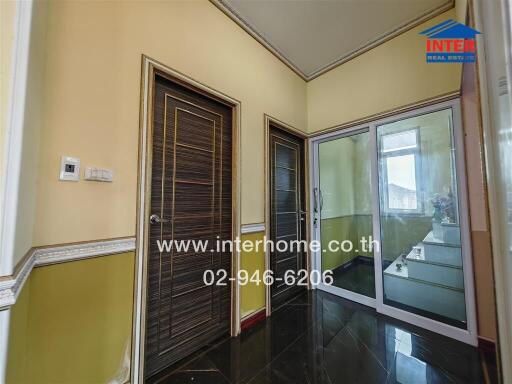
(359, 278)
(320, 338)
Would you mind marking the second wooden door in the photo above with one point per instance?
(287, 211)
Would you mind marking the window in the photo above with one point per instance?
(400, 164)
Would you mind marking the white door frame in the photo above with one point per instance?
(468, 335)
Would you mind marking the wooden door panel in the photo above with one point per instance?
(285, 179)
(194, 199)
(287, 202)
(194, 166)
(200, 130)
(191, 191)
(186, 263)
(286, 225)
(286, 155)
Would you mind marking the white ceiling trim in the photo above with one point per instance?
(237, 18)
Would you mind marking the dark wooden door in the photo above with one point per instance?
(287, 211)
(191, 197)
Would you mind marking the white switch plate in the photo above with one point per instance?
(98, 174)
(69, 168)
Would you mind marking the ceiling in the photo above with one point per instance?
(313, 36)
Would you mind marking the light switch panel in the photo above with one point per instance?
(98, 174)
(69, 168)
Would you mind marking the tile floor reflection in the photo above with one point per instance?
(359, 278)
(320, 338)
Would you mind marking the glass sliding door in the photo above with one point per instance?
(420, 233)
(390, 213)
(345, 212)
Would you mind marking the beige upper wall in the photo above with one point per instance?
(31, 132)
(33, 107)
(389, 76)
(7, 17)
(92, 91)
(461, 10)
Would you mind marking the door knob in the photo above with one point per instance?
(155, 219)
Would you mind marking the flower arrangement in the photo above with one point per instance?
(444, 208)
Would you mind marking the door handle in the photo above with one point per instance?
(315, 200)
(155, 219)
(315, 207)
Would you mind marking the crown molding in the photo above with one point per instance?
(10, 286)
(258, 36)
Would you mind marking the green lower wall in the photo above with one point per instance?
(18, 338)
(398, 235)
(351, 228)
(72, 322)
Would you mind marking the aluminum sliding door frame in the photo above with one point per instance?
(314, 170)
(468, 335)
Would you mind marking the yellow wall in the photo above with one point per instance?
(7, 33)
(252, 296)
(461, 9)
(92, 103)
(72, 322)
(33, 108)
(18, 338)
(31, 132)
(7, 15)
(391, 75)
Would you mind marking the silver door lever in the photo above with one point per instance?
(155, 219)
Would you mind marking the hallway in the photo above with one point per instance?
(234, 191)
(321, 338)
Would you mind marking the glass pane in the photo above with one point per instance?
(398, 141)
(401, 183)
(420, 232)
(346, 212)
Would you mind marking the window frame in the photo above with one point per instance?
(416, 151)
